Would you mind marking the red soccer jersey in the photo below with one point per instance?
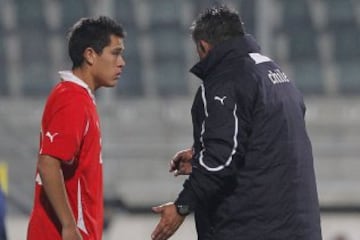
(71, 132)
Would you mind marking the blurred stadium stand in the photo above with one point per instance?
(132, 76)
(3, 65)
(147, 118)
(72, 11)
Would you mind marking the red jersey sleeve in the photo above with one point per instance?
(63, 128)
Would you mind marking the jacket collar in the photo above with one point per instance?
(242, 45)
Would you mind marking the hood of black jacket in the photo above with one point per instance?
(242, 45)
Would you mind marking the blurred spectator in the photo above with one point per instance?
(2, 215)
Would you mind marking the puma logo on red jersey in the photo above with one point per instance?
(51, 136)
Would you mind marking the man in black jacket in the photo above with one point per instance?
(251, 165)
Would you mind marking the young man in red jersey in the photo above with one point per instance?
(68, 201)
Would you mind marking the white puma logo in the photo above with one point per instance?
(51, 137)
(38, 179)
(220, 99)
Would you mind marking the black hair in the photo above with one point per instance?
(217, 24)
(91, 33)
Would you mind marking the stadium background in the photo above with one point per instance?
(146, 119)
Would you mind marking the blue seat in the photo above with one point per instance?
(303, 44)
(340, 13)
(72, 11)
(347, 59)
(131, 82)
(169, 58)
(168, 41)
(346, 42)
(125, 12)
(170, 77)
(30, 14)
(164, 12)
(348, 76)
(200, 5)
(35, 63)
(309, 77)
(295, 13)
(247, 13)
(3, 68)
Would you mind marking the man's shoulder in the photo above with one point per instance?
(68, 91)
(67, 94)
(66, 87)
(236, 67)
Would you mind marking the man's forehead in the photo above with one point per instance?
(116, 42)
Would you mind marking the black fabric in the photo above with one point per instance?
(253, 176)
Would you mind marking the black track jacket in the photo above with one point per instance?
(253, 175)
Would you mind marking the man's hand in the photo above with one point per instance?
(170, 221)
(71, 233)
(180, 164)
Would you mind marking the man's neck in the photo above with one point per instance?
(85, 76)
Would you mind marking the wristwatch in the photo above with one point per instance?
(182, 210)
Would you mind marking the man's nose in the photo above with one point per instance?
(121, 61)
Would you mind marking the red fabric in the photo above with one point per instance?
(71, 133)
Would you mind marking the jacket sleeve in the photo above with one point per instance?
(224, 133)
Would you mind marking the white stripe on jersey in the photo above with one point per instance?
(80, 219)
(86, 127)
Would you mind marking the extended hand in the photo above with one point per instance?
(170, 221)
(180, 164)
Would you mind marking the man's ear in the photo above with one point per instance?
(204, 46)
(89, 56)
(201, 47)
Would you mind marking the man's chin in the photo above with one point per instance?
(111, 84)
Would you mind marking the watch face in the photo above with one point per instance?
(183, 210)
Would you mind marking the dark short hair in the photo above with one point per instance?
(91, 32)
(217, 24)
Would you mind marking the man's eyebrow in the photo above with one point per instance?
(119, 48)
